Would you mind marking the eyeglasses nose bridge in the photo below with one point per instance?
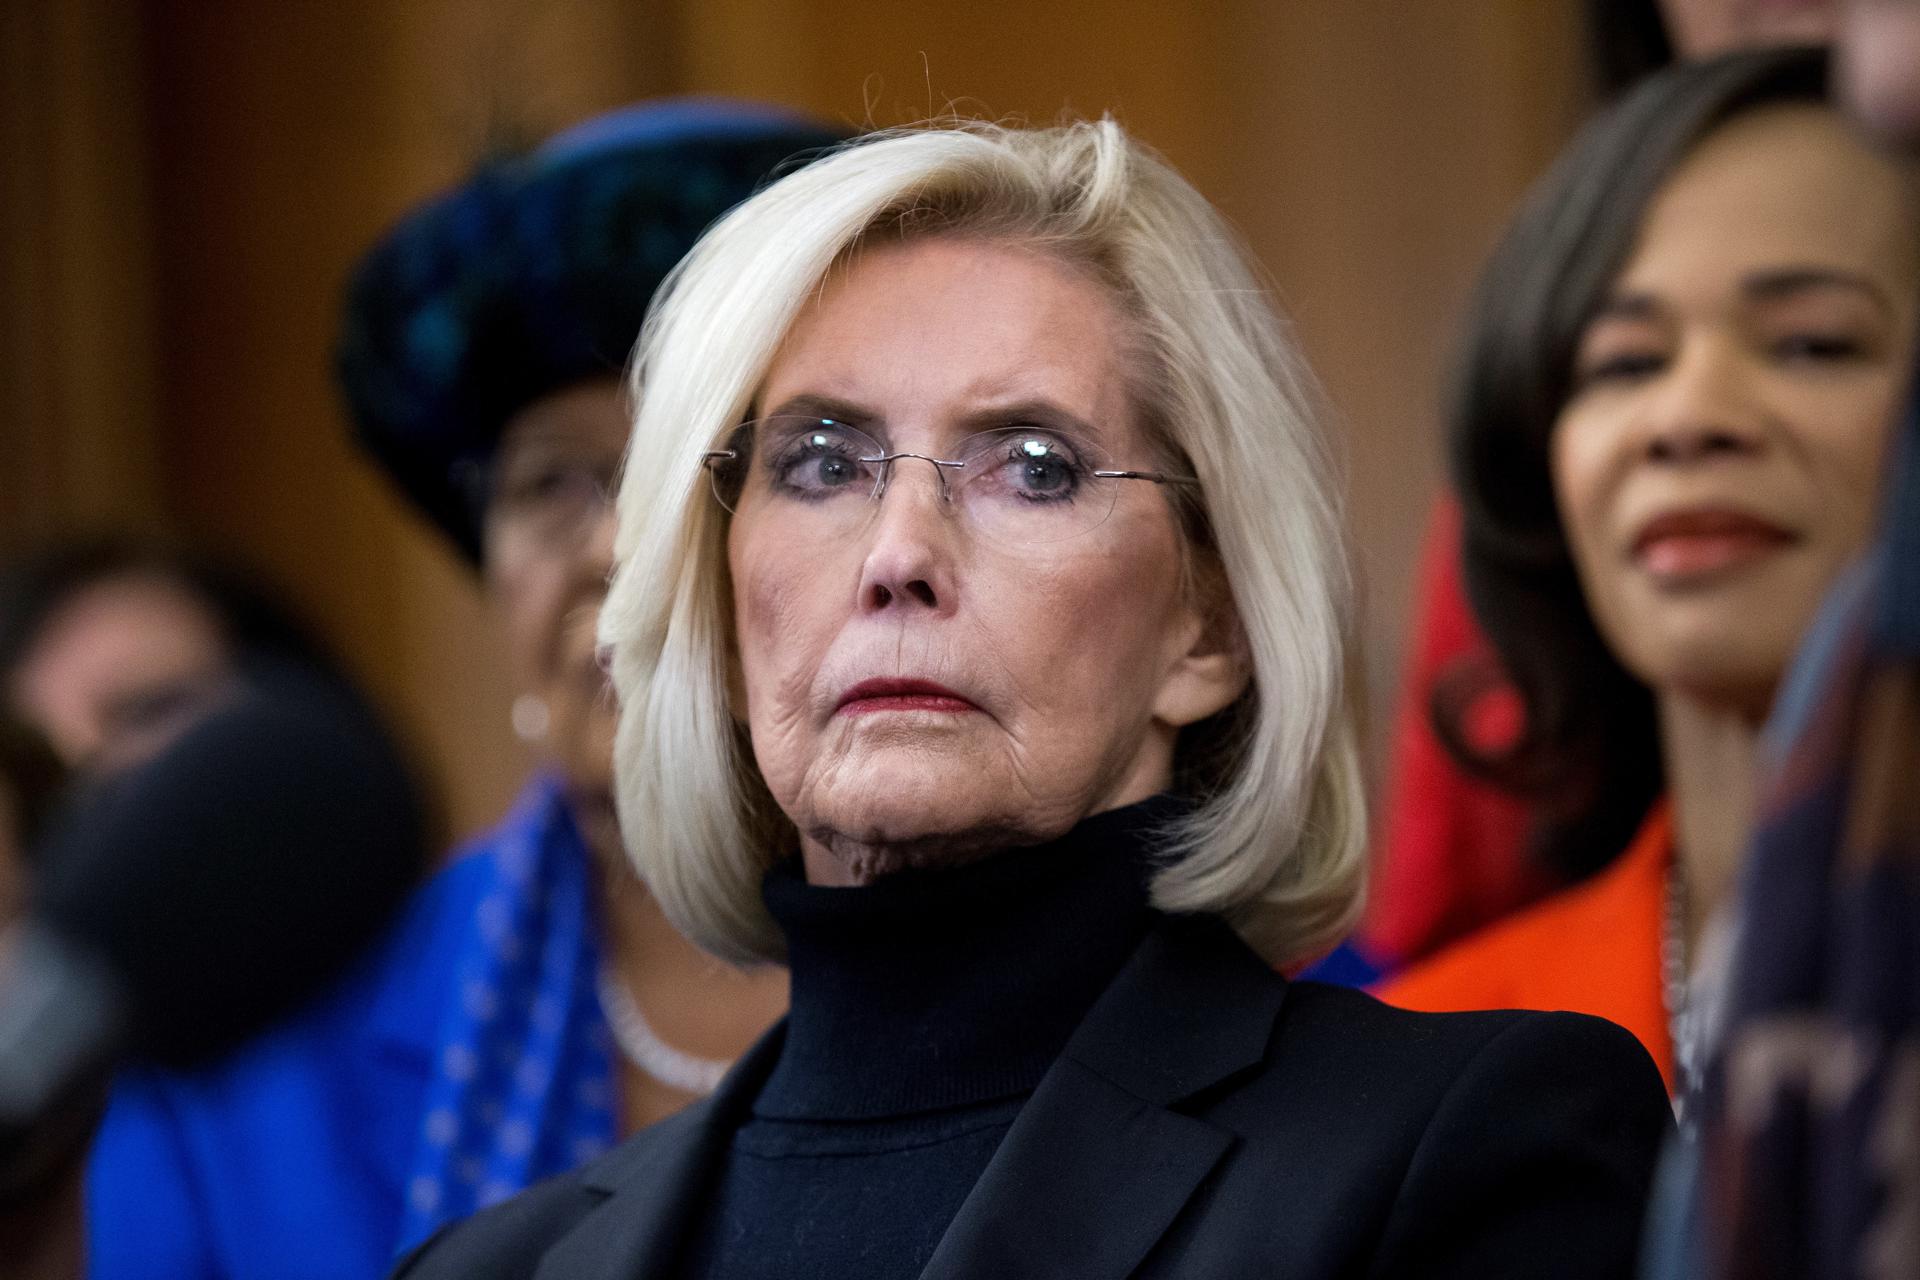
(885, 462)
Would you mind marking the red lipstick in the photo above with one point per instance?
(1683, 545)
(901, 695)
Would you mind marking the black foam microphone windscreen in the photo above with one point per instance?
(228, 878)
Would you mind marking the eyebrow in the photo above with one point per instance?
(1761, 286)
(818, 406)
(1040, 413)
(1626, 306)
(1788, 281)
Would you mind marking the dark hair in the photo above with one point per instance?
(32, 778)
(534, 275)
(254, 621)
(1627, 41)
(1588, 750)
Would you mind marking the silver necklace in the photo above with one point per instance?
(643, 1047)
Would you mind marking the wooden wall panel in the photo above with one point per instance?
(286, 138)
(77, 421)
(1385, 145)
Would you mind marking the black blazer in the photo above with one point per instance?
(1208, 1118)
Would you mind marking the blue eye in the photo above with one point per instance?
(1041, 470)
(824, 470)
(1035, 467)
(818, 463)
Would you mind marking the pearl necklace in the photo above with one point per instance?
(643, 1047)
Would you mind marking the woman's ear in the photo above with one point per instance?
(1210, 664)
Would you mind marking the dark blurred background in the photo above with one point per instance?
(183, 185)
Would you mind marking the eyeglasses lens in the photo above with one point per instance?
(821, 478)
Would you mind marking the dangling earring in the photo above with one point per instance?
(531, 718)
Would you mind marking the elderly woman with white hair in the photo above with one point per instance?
(981, 628)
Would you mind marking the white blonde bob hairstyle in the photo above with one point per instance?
(1275, 842)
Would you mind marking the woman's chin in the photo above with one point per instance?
(915, 809)
(914, 798)
(1729, 676)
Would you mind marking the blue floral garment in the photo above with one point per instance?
(464, 1059)
(522, 1085)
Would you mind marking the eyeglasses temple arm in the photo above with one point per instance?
(1158, 477)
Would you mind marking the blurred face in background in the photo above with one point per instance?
(119, 669)
(1719, 460)
(1703, 28)
(1878, 58)
(549, 549)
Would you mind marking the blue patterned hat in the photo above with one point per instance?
(533, 275)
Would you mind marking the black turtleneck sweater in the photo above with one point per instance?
(926, 1007)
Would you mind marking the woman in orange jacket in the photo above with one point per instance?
(1681, 373)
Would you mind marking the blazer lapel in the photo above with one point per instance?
(654, 1184)
(1099, 1164)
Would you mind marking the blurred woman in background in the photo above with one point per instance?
(1454, 851)
(481, 352)
(112, 647)
(532, 1005)
(1679, 381)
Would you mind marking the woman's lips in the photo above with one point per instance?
(900, 695)
(1684, 545)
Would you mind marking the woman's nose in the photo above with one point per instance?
(909, 560)
(1705, 406)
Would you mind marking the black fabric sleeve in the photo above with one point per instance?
(1537, 1162)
